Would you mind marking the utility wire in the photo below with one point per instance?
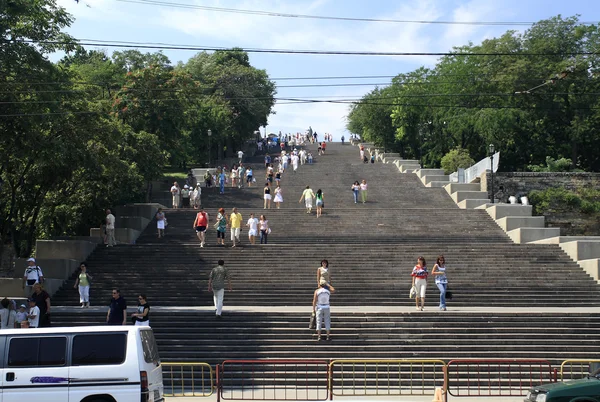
(146, 45)
(332, 18)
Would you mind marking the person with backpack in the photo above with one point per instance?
(33, 274)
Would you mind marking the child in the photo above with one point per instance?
(21, 316)
(34, 314)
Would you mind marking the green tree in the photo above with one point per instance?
(456, 158)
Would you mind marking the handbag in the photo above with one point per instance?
(313, 321)
(413, 292)
(448, 294)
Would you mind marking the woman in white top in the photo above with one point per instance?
(363, 191)
(160, 222)
(233, 176)
(441, 281)
(278, 196)
(263, 225)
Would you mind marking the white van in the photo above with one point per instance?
(74, 364)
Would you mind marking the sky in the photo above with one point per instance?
(132, 20)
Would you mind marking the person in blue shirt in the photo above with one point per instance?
(222, 179)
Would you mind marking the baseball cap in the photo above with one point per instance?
(31, 300)
(31, 259)
(22, 305)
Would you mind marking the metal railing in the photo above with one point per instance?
(188, 379)
(477, 169)
(500, 377)
(578, 368)
(273, 379)
(386, 377)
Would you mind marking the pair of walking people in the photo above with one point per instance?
(321, 296)
(419, 281)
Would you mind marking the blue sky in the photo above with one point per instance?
(120, 21)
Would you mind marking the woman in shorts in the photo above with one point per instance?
(221, 226)
(249, 177)
(267, 196)
(319, 202)
(419, 281)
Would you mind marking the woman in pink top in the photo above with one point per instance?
(419, 281)
(363, 191)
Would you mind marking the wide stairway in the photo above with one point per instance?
(510, 300)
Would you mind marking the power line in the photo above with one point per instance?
(332, 18)
(149, 45)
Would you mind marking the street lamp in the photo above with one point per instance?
(209, 132)
(491, 149)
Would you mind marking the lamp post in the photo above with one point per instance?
(209, 133)
(491, 149)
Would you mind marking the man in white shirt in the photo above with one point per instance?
(302, 156)
(34, 314)
(110, 229)
(252, 225)
(240, 156)
(295, 162)
(33, 274)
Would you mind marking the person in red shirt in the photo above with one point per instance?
(419, 281)
(323, 145)
(200, 225)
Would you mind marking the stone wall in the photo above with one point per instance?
(521, 183)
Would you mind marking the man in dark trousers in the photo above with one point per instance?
(42, 301)
(117, 312)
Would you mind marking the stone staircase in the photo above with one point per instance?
(371, 248)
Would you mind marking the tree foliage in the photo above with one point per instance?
(93, 130)
(475, 97)
(456, 158)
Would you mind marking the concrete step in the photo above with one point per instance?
(439, 184)
(509, 223)
(472, 203)
(502, 210)
(425, 172)
(468, 195)
(582, 249)
(430, 177)
(454, 187)
(527, 235)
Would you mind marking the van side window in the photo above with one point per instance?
(98, 349)
(149, 347)
(32, 352)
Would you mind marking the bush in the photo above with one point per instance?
(559, 199)
(554, 165)
(456, 158)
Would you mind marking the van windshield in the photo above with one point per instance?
(149, 347)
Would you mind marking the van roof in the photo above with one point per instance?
(71, 330)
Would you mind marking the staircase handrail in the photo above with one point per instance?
(477, 169)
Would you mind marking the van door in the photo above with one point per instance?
(150, 363)
(2, 364)
(36, 369)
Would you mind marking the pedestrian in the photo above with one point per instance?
(321, 308)
(267, 160)
(270, 174)
(185, 196)
(264, 229)
(278, 177)
(208, 179)
(319, 202)
(83, 282)
(241, 175)
(222, 180)
(33, 274)
(278, 196)
(355, 190)
(216, 284)
(310, 158)
(233, 176)
(362, 151)
(343, 140)
(323, 146)
(42, 301)
(324, 273)
(240, 156)
(419, 281)
(117, 311)
(235, 223)
(103, 231)
(319, 149)
(308, 196)
(267, 196)
(21, 316)
(141, 318)
(175, 193)
(200, 225)
(110, 229)
(252, 225)
(5, 315)
(363, 191)
(372, 158)
(161, 221)
(33, 317)
(249, 176)
(441, 281)
(221, 226)
(196, 197)
(295, 160)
